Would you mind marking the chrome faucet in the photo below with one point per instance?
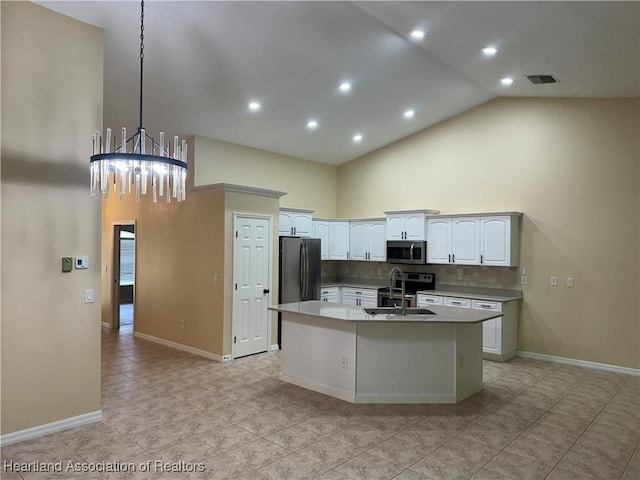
(392, 277)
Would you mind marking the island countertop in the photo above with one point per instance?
(350, 313)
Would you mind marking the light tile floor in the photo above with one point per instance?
(534, 420)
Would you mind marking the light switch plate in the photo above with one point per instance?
(570, 282)
(88, 296)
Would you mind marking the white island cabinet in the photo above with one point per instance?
(342, 351)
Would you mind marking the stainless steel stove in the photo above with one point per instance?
(414, 282)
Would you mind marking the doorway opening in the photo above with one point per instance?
(124, 274)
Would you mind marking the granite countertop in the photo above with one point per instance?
(338, 311)
(476, 293)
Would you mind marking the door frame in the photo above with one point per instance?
(114, 277)
(269, 218)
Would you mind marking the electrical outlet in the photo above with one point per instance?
(554, 281)
(570, 282)
(343, 362)
(182, 323)
(459, 274)
(523, 280)
(216, 278)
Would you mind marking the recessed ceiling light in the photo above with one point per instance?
(254, 106)
(418, 34)
(344, 87)
(357, 138)
(409, 113)
(312, 124)
(489, 51)
(506, 81)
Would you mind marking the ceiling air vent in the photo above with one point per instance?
(541, 79)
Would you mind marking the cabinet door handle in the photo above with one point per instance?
(481, 258)
(453, 257)
(449, 258)
(456, 303)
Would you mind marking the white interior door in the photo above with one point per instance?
(251, 277)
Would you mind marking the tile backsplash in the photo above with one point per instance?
(472, 275)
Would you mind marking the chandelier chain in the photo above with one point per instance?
(141, 62)
(142, 30)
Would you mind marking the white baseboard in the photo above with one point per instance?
(179, 346)
(274, 347)
(105, 325)
(60, 425)
(579, 363)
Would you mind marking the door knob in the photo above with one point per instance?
(265, 291)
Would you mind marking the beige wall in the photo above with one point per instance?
(572, 167)
(308, 184)
(179, 250)
(51, 102)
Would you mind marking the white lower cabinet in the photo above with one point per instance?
(499, 335)
(457, 302)
(331, 295)
(360, 297)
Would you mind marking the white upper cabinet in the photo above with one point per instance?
(414, 226)
(465, 241)
(334, 239)
(358, 238)
(338, 240)
(368, 241)
(499, 240)
(407, 225)
(439, 240)
(378, 241)
(321, 231)
(395, 227)
(469, 240)
(295, 223)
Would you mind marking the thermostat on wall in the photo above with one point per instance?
(82, 262)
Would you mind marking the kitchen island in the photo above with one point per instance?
(342, 351)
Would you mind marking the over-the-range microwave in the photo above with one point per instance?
(407, 251)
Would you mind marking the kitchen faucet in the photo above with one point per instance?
(392, 277)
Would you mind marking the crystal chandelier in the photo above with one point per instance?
(147, 161)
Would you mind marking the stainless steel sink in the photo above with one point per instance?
(396, 311)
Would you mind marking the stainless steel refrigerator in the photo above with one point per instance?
(299, 278)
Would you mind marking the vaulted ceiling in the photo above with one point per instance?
(205, 61)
